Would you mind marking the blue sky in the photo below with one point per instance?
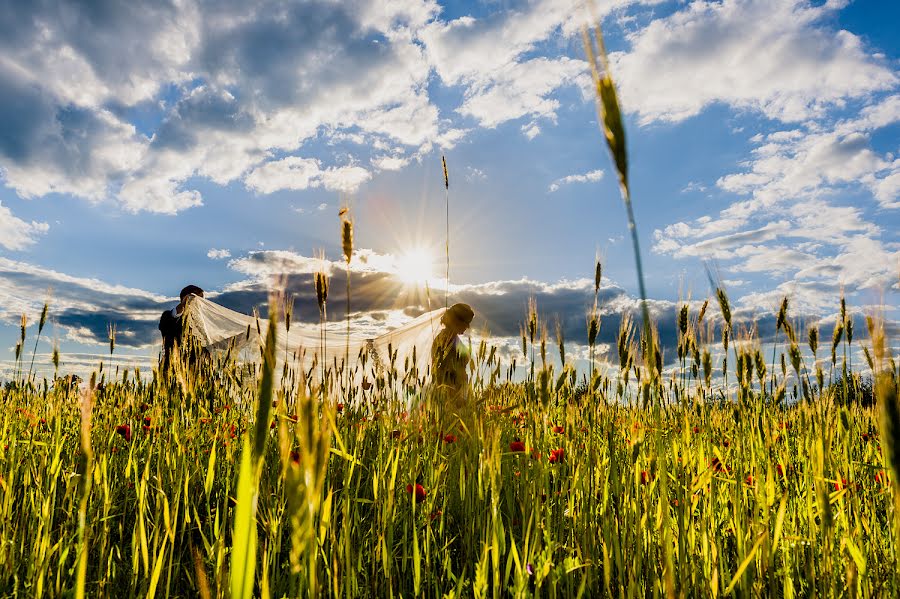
(149, 145)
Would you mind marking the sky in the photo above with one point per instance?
(148, 145)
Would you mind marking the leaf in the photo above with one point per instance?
(243, 552)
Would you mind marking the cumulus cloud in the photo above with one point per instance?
(489, 57)
(230, 86)
(294, 172)
(215, 254)
(17, 234)
(588, 177)
(795, 222)
(734, 52)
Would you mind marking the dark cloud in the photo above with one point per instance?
(87, 307)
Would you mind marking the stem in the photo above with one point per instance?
(33, 352)
(447, 247)
(347, 350)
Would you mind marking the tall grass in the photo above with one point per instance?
(139, 489)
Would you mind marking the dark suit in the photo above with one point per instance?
(171, 328)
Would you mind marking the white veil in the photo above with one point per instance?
(219, 329)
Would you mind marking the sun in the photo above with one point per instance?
(414, 266)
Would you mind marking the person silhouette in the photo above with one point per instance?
(450, 355)
(171, 326)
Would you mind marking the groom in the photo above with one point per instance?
(171, 325)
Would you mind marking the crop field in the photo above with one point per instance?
(205, 484)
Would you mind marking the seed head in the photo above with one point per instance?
(593, 327)
(560, 342)
(707, 366)
(446, 175)
(346, 234)
(836, 339)
(760, 366)
(795, 357)
(702, 311)
(724, 305)
(24, 325)
(598, 272)
(111, 333)
(288, 311)
(43, 319)
(683, 319)
(782, 314)
(813, 339)
(532, 318)
(321, 289)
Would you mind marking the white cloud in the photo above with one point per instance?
(17, 234)
(588, 177)
(486, 55)
(475, 174)
(390, 163)
(215, 254)
(520, 89)
(248, 83)
(531, 130)
(294, 172)
(776, 56)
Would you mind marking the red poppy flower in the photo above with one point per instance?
(419, 491)
(559, 430)
(718, 466)
(125, 431)
(749, 479)
(841, 484)
(881, 477)
(645, 477)
(780, 469)
(449, 438)
(696, 430)
(395, 434)
(435, 514)
(340, 408)
(535, 454)
(726, 443)
(147, 421)
(295, 457)
(517, 446)
(557, 455)
(272, 425)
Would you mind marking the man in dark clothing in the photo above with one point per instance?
(171, 325)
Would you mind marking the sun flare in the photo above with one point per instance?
(415, 266)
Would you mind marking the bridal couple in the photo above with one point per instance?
(449, 354)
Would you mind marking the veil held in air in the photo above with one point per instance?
(219, 329)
